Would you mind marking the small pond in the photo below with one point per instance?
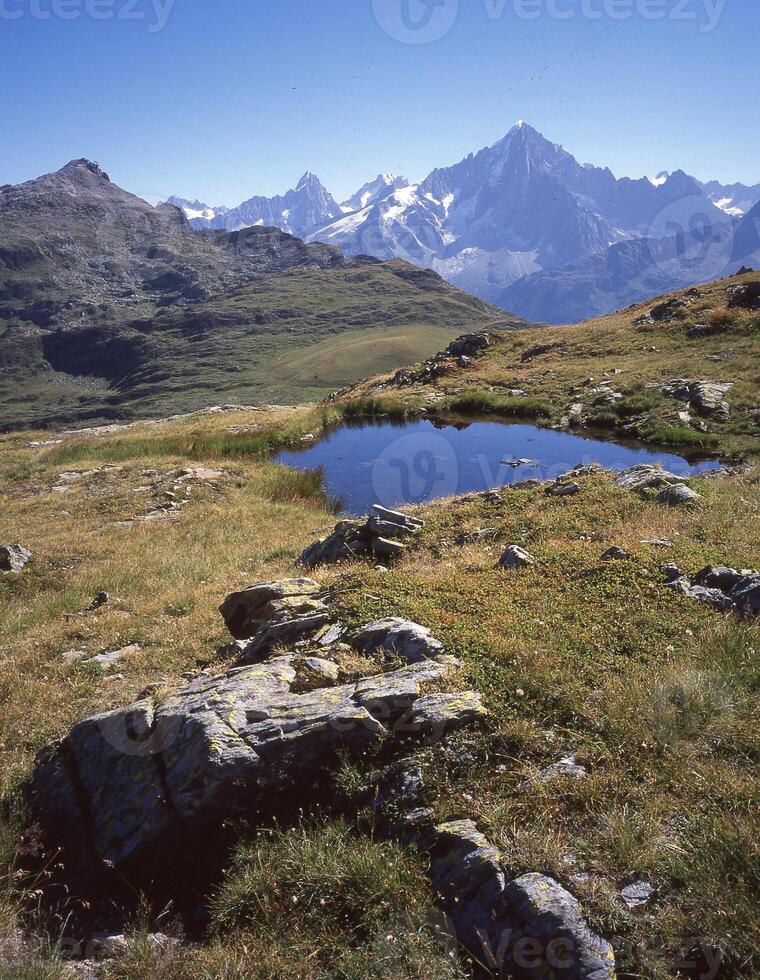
(411, 462)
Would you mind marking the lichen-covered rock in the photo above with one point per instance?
(516, 557)
(13, 557)
(124, 784)
(553, 918)
(529, 927)
(399, 637)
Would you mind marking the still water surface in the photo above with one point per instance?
(411, 462)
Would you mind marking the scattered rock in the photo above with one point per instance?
(516, 557)
(720, 587)
(563, 489)
(480, 534)
(13, 557)
(658, 542)
(706, 397)
(637, 893)
(647, 476)
(615, 554)
(152, 775)
(100, 600)
(460, 352)
(679, 496)
(700, 330)
(106, 660)
(72, 656)
(745, 296)
(400, 637)
(666, 310)
(567, 766)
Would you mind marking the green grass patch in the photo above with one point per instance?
(491, 403)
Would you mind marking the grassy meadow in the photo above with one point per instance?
(656, 694)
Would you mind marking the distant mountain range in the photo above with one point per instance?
(111, 308)
(496, 221)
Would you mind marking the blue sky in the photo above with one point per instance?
(226, 98)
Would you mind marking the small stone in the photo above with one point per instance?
(637, 893)
(106, 660)
(563, 489)
(615, 554)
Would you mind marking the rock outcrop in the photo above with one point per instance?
(459, 353)
(722, 588)
(125, 785)
(381, 535)
(13, 557)
(528, 927)
(705, 397)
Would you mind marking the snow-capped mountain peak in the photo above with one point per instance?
(196, 209)
(374, 191)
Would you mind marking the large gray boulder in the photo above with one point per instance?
(13, 557)
(138, 781)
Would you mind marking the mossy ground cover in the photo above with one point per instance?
(558, 367)
(656, 694)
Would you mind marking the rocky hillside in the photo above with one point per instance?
(110, 308)
(682, 371)
(526, 740)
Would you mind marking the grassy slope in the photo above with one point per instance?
(642, 353)
(657, 694)
(290, 337)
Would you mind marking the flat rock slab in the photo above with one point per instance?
(123, 785)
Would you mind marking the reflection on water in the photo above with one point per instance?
(410, 462)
